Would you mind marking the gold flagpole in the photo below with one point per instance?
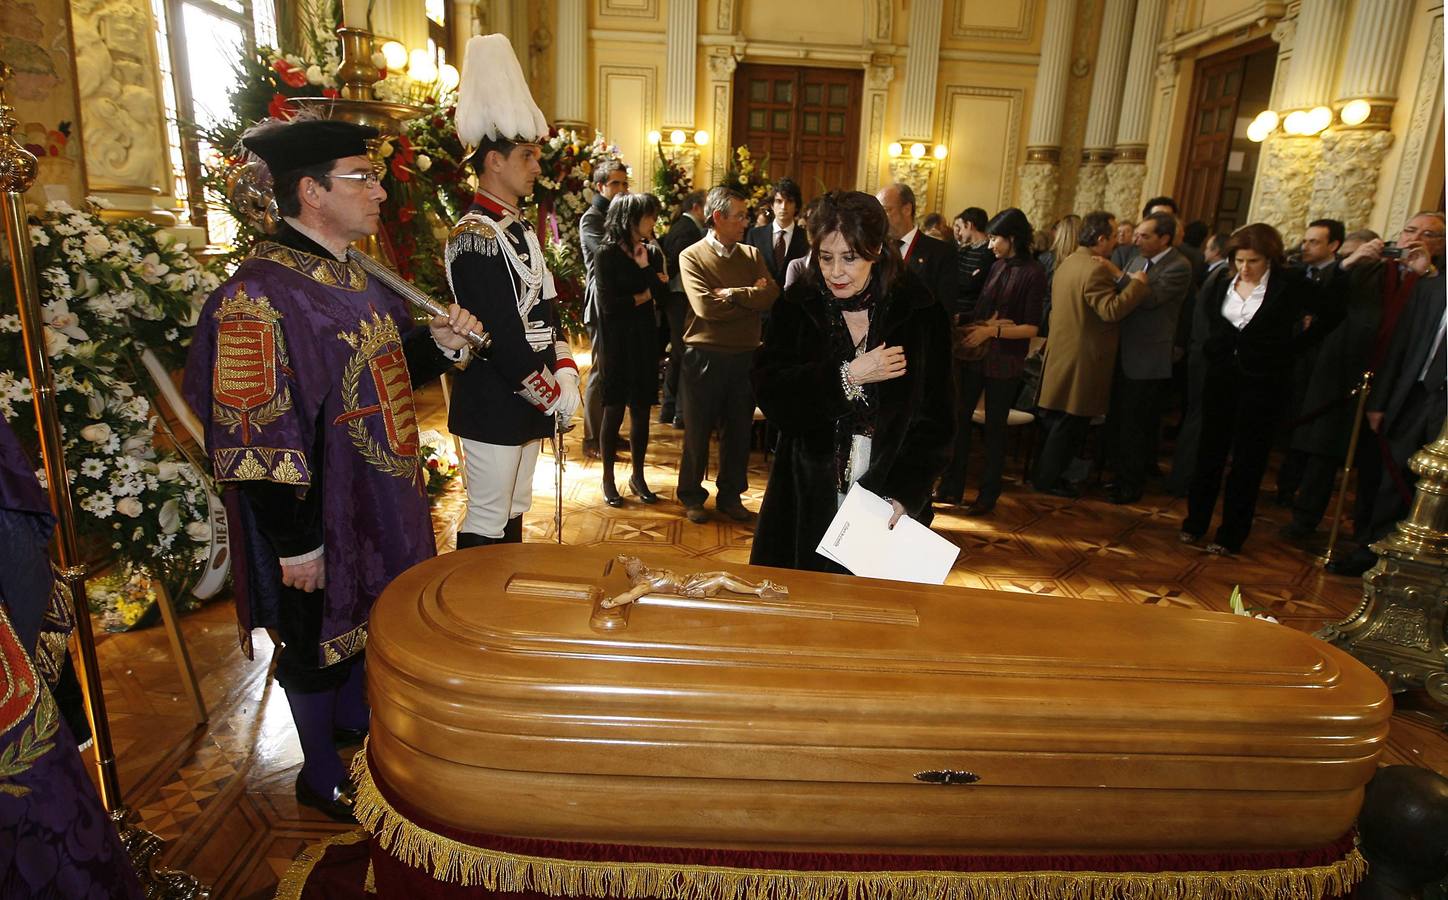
(17, 174)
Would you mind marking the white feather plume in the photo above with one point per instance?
(493, 97)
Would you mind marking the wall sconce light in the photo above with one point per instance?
(1296, 122)
(449, 77)
(941, 151)
(701, 138)
(420, 67)
(917, 150)
(655, 137)
(894, 149)
(1318, 118)
(396, 56)
(677, 137)
(1356, 112)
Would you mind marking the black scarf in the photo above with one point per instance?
(861, 417)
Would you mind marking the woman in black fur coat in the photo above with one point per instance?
(855, 374)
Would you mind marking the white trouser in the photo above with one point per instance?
(500, 484)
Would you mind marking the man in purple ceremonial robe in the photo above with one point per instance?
(55, 837)
(302, 371)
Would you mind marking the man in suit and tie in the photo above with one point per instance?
(933, 261)
(610, 179)
(783, 240)
(1125, 253)
(1144, 355)
(687, 230)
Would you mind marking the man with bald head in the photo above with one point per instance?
(932, 260)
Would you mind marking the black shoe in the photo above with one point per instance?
(696, 514)
(641, 490)
(666, 415)
(1186, 537)
(1217, 549)
(734, 510)
(337, 807)
(1061, 490)
(590, 450)
(948, 498)
(1295, 531)
(1354, 564)
(980, 508)
(1122, 496)
(610, 494)
(679, 422)
(348, 737)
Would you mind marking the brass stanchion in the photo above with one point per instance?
(1364, 388)
(17, 173)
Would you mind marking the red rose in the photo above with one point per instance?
(398, 171)
(293, 76)
(333, 93)
(406, 214)
(277, 109)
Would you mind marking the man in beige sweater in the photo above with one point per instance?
(728, 286)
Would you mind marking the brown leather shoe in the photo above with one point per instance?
(696, 514)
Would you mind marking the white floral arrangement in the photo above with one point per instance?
(110, 291)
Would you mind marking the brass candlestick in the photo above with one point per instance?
(1399, 628)
(17, 173)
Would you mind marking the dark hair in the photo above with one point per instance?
(1163, 224)
(501, 146)
(718, 201)
(790, 190)
(1336, 231)
(1260, 238)
(607, 168)
(973, 216)
(1221, 239)
(1363, 235)
(286, 187)
(907, 195)
(691, 200)
(1012, 224)
(1195, 233)
(934, 220)
(1095, 226)
(625, 212)
(1168, 202)
(860, 220)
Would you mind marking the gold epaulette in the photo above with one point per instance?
(473, 233)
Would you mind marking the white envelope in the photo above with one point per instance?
(859, 540)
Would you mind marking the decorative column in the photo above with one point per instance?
(878, 76)
(1352, 156)
(1127, 170)
(1040, 176)
(1285, 172)
(401, 20)
(917, 117)
(683, 43)
(571, 94)
(721, 90)
(1105, 104)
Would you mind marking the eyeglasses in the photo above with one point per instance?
(368, 179)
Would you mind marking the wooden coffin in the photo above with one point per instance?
(856, 715)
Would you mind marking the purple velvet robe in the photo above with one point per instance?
(295, 346)
(55, 837)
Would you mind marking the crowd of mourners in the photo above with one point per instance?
(872, 346)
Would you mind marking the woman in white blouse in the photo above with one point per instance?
(1253, 330)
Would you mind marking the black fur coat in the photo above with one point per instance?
(797, 385)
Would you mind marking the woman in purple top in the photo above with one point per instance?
(994, 344)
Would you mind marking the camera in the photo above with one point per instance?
(1392, 251)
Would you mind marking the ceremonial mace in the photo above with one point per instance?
(18, 168)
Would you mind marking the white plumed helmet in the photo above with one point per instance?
(493, 99)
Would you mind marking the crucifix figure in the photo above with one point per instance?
(697, 584)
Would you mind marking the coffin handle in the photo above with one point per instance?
(947, 776)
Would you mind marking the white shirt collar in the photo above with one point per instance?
(788, 232)
(1239, 310)
(718, 248)
(908, 238)
(1156, 259)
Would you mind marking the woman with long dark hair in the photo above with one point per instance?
(1252, 332)
(631, 277)
(855, 373)
(993, 348)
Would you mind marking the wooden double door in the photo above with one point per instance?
(804, 121)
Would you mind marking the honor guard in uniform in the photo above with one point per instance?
(302, 370)
(505, 405)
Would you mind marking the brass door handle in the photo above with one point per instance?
(947, 776)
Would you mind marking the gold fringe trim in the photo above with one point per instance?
(295, 880)
(454, 862)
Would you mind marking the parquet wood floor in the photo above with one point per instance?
(221, 795)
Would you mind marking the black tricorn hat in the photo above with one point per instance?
(286, 146)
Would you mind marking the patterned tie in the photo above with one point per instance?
(778, 249)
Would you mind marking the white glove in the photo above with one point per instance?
(569, 398)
